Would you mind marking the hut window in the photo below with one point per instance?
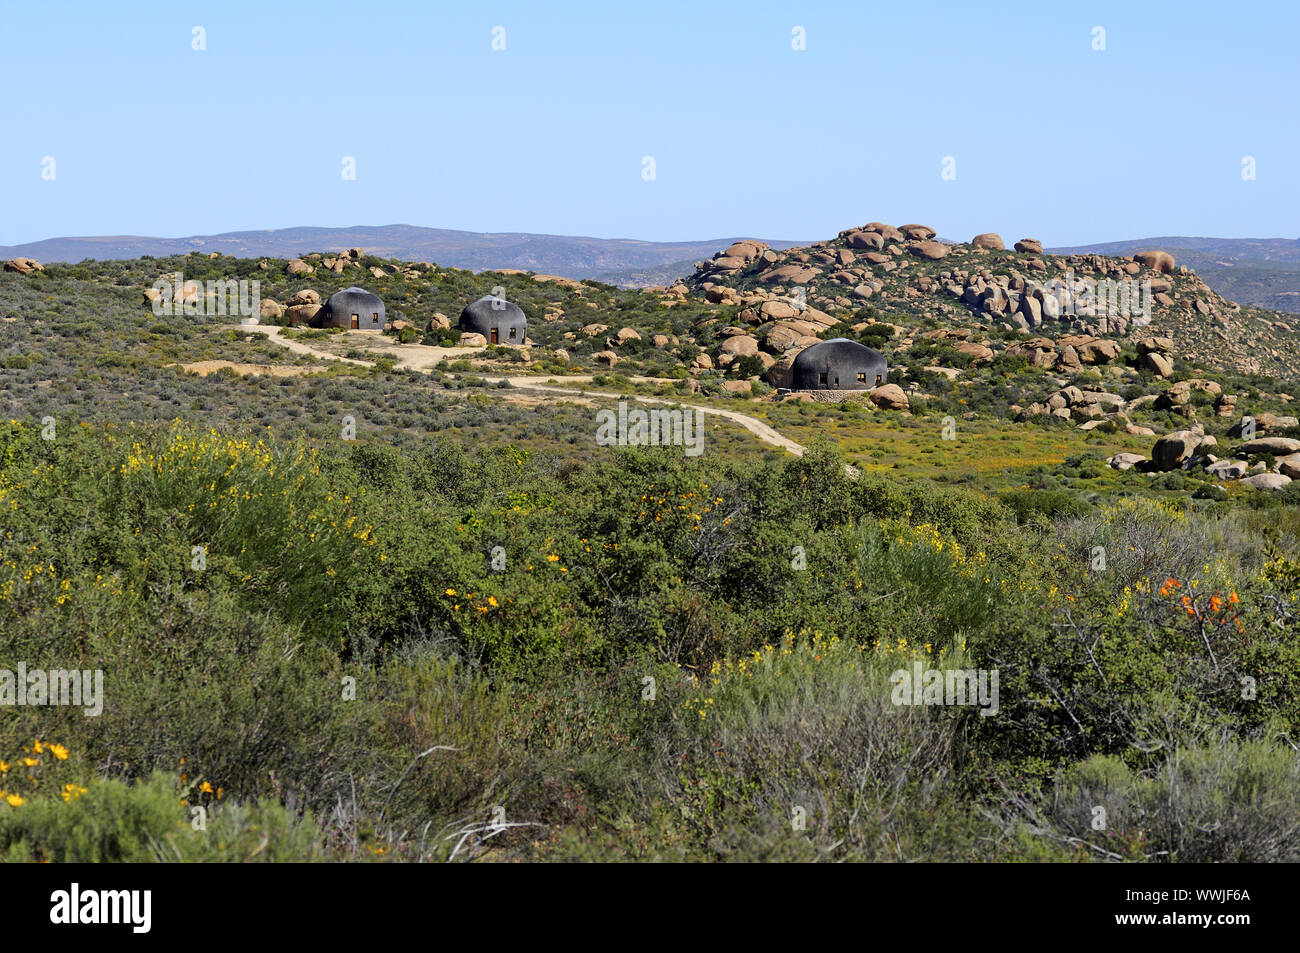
(512, 333)
(878, 379)
(862, 377)
(821, 378)
(374, 318)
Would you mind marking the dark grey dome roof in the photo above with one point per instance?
(338, 309)
(836, 365)
(481, 316)
(354, 294)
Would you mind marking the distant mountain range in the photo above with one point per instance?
(608, 259)
(1264, 272)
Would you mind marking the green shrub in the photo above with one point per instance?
(1222, 802)
(797, 753)
(1049, 504)
(113, 821)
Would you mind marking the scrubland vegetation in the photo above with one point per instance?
(426, 652)
(470, 633)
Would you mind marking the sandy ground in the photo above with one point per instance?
(535, 399)
(420, 357)
(755, 426)
(273, 333)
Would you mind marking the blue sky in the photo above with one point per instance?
(1051, 138)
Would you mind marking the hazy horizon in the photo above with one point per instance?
(723, 234)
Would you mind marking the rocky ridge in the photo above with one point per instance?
(905, 270)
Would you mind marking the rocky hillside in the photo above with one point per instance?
(1262, 272)
(968, 335)
(982, 284)
(568, 255)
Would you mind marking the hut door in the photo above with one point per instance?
(354, 320)
(494, 336)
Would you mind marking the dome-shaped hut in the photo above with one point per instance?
(499, 321)
(352, 308)
(838, 364)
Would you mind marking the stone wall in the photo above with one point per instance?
(835, 396)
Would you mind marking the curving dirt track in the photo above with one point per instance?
(419, 357)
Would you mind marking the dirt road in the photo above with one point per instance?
(422, 358)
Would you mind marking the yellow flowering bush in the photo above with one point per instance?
(38, 770)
